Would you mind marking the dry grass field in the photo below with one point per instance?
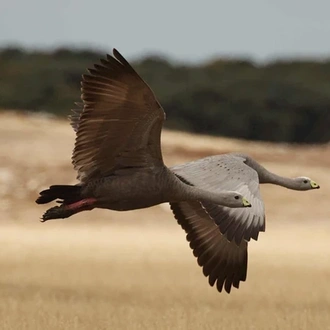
(134, 270)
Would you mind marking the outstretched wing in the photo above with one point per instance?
(119, 123)
(228, 172)
(223, 262)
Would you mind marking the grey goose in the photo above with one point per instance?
(219, 235)
(117, 151)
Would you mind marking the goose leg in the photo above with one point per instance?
(64, 211)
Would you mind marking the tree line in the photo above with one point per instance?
(283, 101)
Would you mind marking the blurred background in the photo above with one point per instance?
(250, 77)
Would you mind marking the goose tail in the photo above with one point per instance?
(65, 193)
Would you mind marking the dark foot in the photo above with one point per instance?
(65, 211)
(57, 212)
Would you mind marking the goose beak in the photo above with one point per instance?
(314, 185)
(246, 203)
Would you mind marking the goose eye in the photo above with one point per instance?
(236, 197)
(305, 181)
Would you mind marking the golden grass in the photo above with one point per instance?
(128, 277)
(134, 270)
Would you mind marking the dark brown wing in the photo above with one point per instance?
(119, 123)
(223, 262)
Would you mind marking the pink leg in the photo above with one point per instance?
(83, 205)
(65, 211)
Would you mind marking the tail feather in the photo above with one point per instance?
(66, 193)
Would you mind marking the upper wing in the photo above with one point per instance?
(228, 172)
(118, 124)
(223, 262)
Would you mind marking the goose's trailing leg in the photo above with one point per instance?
(64, 211)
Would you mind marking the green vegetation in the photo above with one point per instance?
(281, 101)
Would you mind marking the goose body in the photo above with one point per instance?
(132, 189)
(117, 151)
(123, 192)
(219, 235)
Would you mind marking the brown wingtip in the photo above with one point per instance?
(121, 58)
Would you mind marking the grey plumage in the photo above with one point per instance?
(219, 235)
(217, 173)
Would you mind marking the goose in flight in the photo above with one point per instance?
(219, 235)
(117, 151)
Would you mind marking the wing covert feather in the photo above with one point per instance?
(228, 172)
